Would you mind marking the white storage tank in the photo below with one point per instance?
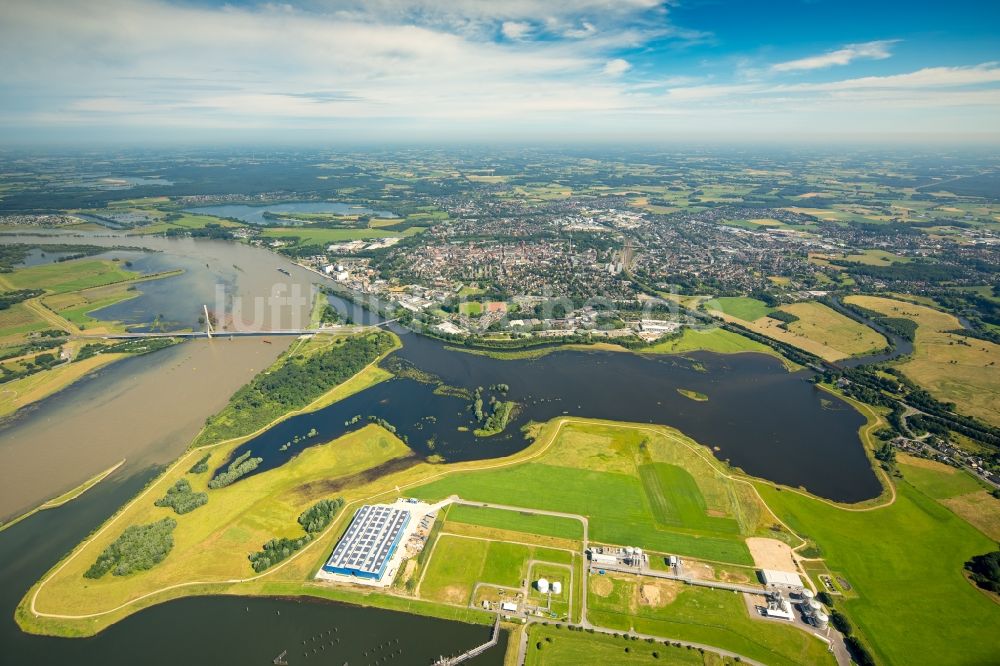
(822, 620)
(543, 585)
(813, 607)
(629, 550)
(638, 553)
(556, 587)
(807, 594)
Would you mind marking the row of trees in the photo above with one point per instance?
(237, 469)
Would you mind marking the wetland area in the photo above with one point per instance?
(770, 422)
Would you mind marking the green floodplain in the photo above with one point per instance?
(632, 484)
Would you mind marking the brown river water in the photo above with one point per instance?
(147, 409)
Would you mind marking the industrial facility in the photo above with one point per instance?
(630, 556)
(369, 542)
(781, 579)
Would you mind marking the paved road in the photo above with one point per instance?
(690, 580)
(584, 623)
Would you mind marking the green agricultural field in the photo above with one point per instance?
(698, 614)
(514, 521)
(876, 258)
(715, 339)
(457, 563)
(822, 331)
(596, 471)
(69, 275)
(504, 563)
(936, 479)
(904, 562)
(453, 572)
(76, 306)
(18, 320)
(551, 646)
(677, 501)
(951, 367)
(741, 307)
(958, 490)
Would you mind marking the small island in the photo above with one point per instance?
(693, 395)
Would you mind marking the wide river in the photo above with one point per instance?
(770, 422)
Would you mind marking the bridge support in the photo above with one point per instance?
(208, 322)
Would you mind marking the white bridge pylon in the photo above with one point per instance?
(208, 322)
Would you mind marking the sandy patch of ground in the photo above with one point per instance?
(602, 587)
(455, 594)
(732, 577)
(660, 593)
(771, 554)
(699, 570)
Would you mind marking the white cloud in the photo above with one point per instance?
(585, 29)
(515, 29)
(617, 67)
(930, 77)
(869, 50)
(150, 63)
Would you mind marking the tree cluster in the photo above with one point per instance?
(139, 547)
(294, 384)
(201, 466)
(985, 571)
(237, 469)
(313, 520)
(181, 498)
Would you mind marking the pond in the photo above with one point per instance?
(771, 423)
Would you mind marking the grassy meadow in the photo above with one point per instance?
(741, 307)
(514, 521)
(951, 367)
(640, 488)
(819, 329)
(904, 564)
(67, 276)
(956, 489)
(698, 614)
(551, 646)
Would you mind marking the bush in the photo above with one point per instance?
(859, 653)
(139, 547)
(240, 467)
(840, 622)
(180, 498)
(201, 466)
(985, 571)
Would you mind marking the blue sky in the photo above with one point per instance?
(603, 70)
